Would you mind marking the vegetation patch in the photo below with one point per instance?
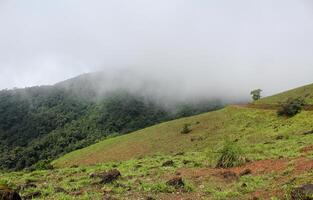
(230, 156)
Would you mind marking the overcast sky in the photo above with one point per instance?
(206, 45)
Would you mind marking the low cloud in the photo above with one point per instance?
(189, 48)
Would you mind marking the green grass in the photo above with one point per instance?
(306, 92)
(254, 130)
(140, 155)
(136, 182)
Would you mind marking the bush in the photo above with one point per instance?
(42, 165)
(185, 129)
(230, 156)
(291, 107)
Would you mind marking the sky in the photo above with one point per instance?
(204, 46)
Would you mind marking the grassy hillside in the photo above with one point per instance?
(251, 127)
(306, 92)
(276, 154)
(279, 149)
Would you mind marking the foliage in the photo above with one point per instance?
(230, 156)
(42, 123)
(256, 94)
(291, 107)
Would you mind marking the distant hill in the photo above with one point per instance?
(42, 123)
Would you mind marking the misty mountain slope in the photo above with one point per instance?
(276, 153)
(42, 123)
(306, 92)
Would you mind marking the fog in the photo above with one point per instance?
(199, 48)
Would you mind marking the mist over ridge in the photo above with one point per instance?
(202, 48)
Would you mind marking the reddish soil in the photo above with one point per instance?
(257, 167)
(302, 164)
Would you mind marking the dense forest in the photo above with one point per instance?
(42, 123)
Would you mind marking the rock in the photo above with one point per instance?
(107, 177)
(176, 182)
(245, 172)
(229, 175)
(304, 192)
(8, 193)
(168, 163)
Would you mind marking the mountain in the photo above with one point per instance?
(238, 152)
(42, 123)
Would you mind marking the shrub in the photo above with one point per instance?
(185, 129)
(230, 156)
(291, 107)
(42, 165)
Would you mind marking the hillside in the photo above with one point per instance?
(251, 127)
(42, 123)
(273, 156)
(305, 92)
(279, 151)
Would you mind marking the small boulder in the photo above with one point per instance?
(168, 163)
(109, 176)
(8, 194)
(304, 192)
(177, 182)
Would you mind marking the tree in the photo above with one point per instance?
(256, 94)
